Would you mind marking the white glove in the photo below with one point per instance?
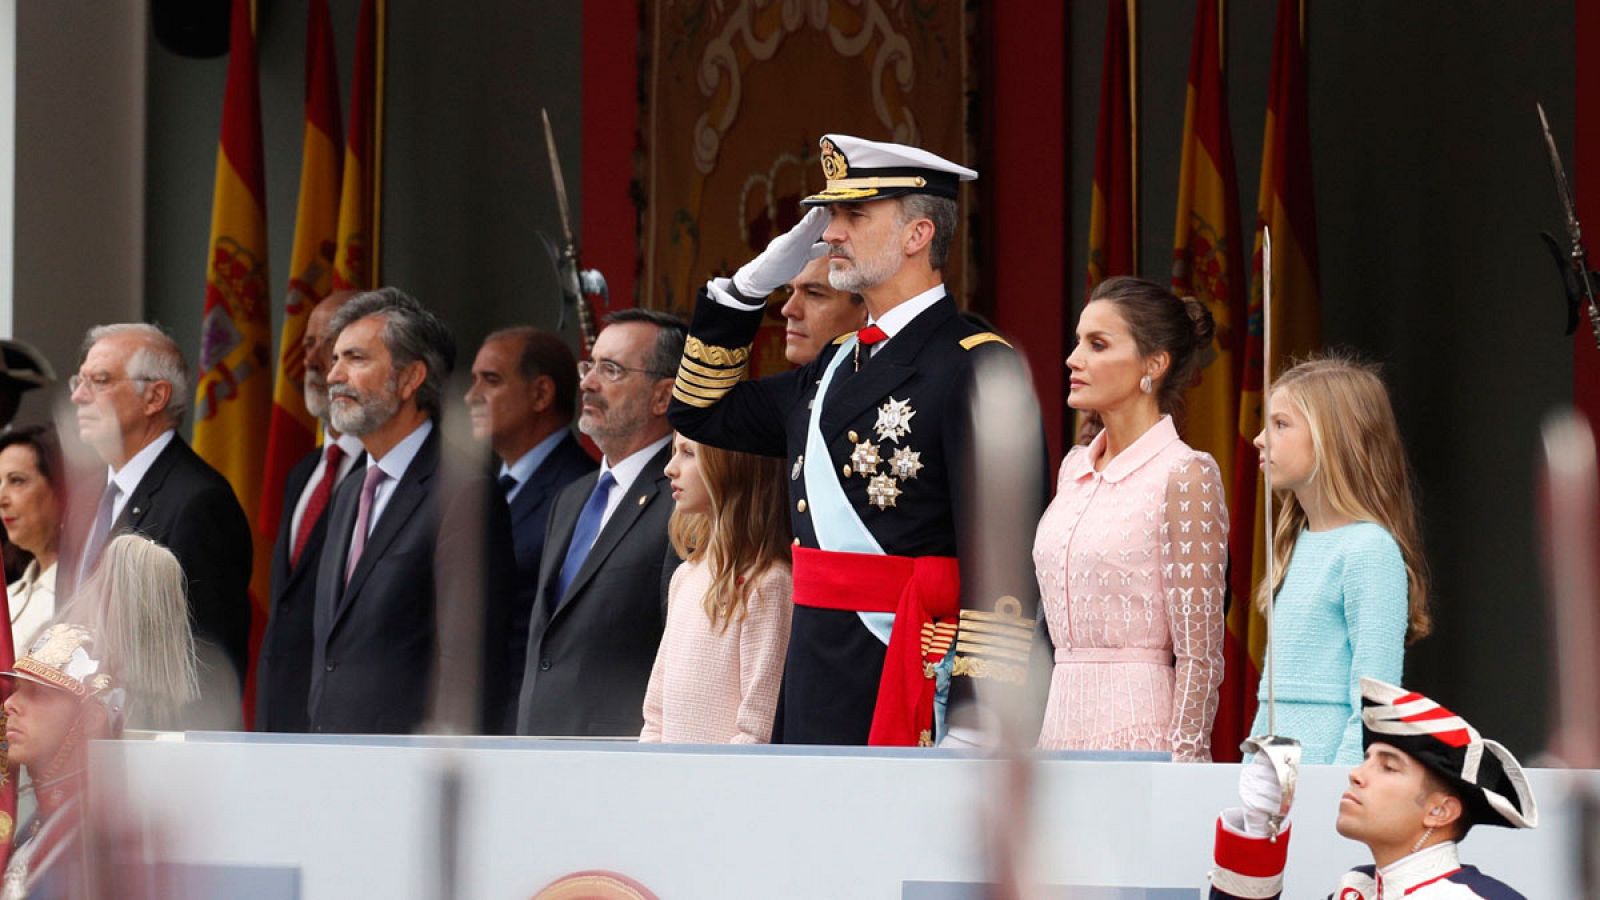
(784, 257)
(1260, 793)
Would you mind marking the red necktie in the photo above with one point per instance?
(318, 501)
(870, 335)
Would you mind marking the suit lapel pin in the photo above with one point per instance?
(794, 473)
(894, 420)
(643, 500)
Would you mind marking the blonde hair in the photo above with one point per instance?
(134, 601)
(746, 532)
(1360, 469)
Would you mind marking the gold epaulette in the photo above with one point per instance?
(978, 340)
(995, 644)
(843, 337)
(707, 372)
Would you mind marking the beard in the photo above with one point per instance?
(368, 413)
(315, 392)
(865, 273)
(612, 423)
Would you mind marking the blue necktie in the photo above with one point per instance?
(583, 535)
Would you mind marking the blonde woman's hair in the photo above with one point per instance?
(746, 532)
(134, 600)
(1360, 469)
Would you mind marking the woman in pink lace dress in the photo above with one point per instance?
(1132, 552)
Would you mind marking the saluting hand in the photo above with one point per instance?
(783, 259)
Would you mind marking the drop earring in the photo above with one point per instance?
(1146, 385)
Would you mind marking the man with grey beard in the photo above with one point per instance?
(283, 666)
(601, 606)
(407, 547)
(876, 430)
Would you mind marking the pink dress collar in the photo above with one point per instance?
(1080, 466)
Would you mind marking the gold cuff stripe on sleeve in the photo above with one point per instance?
(711, 384)
(978, 340)
(996, 640)
(1003, 618)
(711, 371)
(987, 651)
(683, 396)
(973, 667)
(700, 351)
(1015, 632)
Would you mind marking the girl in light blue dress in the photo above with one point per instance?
(1352, 587)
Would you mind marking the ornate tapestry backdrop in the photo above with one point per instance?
(737, 93)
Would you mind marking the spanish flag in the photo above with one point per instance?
(234, 391)
(292, 432)
(1113, 237)
(1286, 205)
(353, 268)
(1207, 263)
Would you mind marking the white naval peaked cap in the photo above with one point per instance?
(857, 170)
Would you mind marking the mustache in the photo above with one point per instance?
(592, 399)
(343, 390)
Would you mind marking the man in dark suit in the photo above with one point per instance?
(131, 393)
(600, 609)
(413, 588)
(524, 389)
(283, 664)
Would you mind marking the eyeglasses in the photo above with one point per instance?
(100, 383)
(613, 372)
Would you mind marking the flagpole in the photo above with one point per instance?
(1133, 125)
(381, 40)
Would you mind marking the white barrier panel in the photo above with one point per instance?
(273, 817)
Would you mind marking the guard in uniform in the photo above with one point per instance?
(875, 430)
(64, 667)
(1427, 779)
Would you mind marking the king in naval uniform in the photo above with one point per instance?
(876, 434)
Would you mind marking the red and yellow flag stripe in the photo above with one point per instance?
(1286, 204)
(233, 392)
(1113, 228)
(353, 268)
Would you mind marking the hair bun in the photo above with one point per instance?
(1201, 323)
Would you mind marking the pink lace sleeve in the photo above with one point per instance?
(1194, 563)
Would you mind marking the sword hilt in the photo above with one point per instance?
(1284, 754)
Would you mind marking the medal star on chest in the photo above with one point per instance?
(865, 459)
(905, 463)
(894, 420)
(882, 491)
